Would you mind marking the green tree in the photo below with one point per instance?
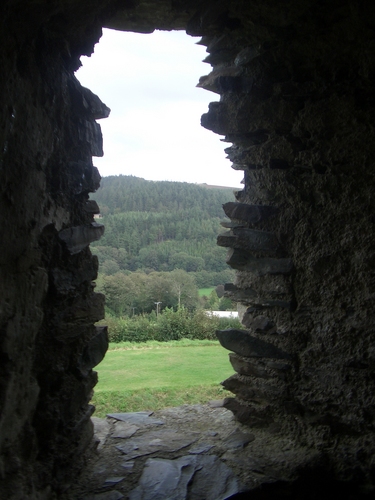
(110, 267)
(184, 287)
(161, 290)
(120, 292)
(213, 301)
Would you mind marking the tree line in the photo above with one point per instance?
(127, 193)
(171, 325)
(138, 293)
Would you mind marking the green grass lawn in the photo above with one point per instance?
(205, 291)
(134, 378)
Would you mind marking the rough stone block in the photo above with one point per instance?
(91, 180)
(257, 240)
(86, 102)
(137, 418)
(260, 324)
(245, 388)
(241, 260)
(95, 350)
(248, 366)
(223, 75)
(89, 132)
(244, 344)
(249, 414)
(92, 207)
(239, 166)
(238, 440)
(187, 477)
(78, 317)
(244, 141)
(249, 213)
(230, 225)
(93, 105)
(79, 237)
(239, 294)
(160, 440)
(215, 119)
(249, 239)
(240, 83)
(101, 430)
(252, 297)
(124, 430)
(66, 281)
(87, 178)
(245, 56)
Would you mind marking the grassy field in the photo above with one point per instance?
(205, 291)
(156, 375)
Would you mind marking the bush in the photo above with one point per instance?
(136, 329)
(173, 325)
(169, 325)
(204, 326)
(225, 323)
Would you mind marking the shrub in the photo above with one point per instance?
(204, 326)
(170, 325)
(225, 323)
(173, 325)
(137, 329)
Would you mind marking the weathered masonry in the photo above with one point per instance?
(296, 104)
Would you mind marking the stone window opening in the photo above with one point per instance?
(156, 107)
(296, 87)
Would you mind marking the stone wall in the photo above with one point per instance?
(48, 341)
(296, 107)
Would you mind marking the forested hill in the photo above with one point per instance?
(160, 226)
(126, 193)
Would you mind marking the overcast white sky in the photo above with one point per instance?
(154, 131)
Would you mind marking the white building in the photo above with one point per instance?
(223, 314)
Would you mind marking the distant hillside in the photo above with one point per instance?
(162, 226)
(126, 193)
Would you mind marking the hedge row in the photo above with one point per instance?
(170, 325)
